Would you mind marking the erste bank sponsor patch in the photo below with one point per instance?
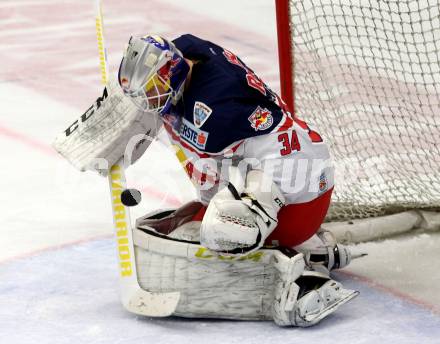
(193, 135)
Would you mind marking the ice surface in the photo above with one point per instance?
(70, 296)
(58, 277)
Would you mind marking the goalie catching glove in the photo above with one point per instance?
(241, 216)
(111, 128)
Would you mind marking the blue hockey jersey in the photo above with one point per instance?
(227, 114)
(225, 101)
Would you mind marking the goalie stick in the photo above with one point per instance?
(133, 297)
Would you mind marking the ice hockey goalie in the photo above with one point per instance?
(250, 247)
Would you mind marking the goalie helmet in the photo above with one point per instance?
(152, 72)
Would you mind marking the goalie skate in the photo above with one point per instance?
(303, 298)
(319, 303)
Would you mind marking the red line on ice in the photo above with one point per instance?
(54, 248)
(46, 149)
(403, 296)
(26, 140)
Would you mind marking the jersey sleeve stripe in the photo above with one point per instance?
(285, 124)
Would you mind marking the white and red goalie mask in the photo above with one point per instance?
(153, 73)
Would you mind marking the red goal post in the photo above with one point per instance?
(285, 52)
(367, 75)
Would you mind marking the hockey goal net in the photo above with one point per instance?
(366, 73)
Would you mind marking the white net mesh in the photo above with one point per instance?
(367, 74)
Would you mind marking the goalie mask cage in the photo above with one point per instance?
(366, 73)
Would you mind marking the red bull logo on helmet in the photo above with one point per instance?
(167, 70)
(261, 119)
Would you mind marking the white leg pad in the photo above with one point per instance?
(263, 285)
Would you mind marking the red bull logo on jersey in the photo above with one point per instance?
(193, 135)
(261, 119)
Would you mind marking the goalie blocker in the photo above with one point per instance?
(267, 284)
